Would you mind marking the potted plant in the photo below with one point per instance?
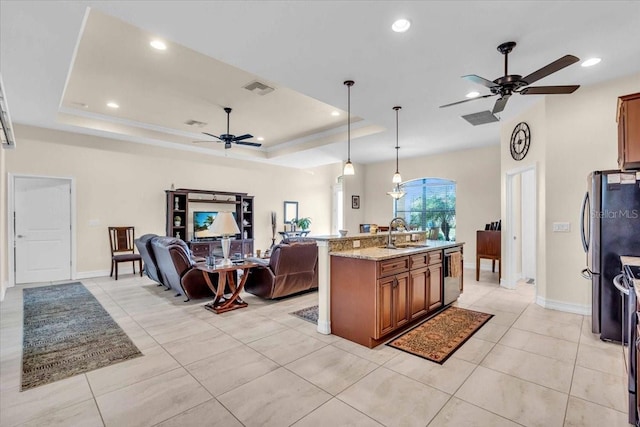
(177, 221)
(304, 223)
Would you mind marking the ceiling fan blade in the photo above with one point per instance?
(210, 134)
(252, 144)
(480, 80)
(501, 102)
(467, 100)
(241, 137)
(549, 90)
(551, 68)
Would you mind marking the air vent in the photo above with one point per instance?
(195, 123)
(258, 88)
(481, 118)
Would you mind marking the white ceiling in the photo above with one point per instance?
(49, 60)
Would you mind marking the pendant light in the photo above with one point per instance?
(397, 179)
(348, 167)
(397, 193)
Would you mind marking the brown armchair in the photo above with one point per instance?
(292, 268)
(177, 268)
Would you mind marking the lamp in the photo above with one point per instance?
(397, 179)
(396, 193)
(225, 225)
(348, 167)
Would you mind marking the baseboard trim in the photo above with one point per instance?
(324, 327)
(483, 266)
(567, 307)
(91, 274)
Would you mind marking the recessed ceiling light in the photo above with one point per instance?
(401, 25)
(473, 94)
(158, 44)
(112, 105)
(591, 62)
(335, 113)
(260, 138)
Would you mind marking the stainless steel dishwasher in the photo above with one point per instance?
(452, 272)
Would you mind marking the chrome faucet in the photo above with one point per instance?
(390, 245)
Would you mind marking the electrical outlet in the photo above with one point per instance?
(356, 243)
(561, 227)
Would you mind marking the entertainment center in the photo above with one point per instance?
(190, 212)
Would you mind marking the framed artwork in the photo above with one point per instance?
(355, 202)
(290, 212)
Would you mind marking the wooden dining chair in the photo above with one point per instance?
(122, 248)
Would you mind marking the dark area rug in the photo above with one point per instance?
(67, 332)
(439, 337)
(310, 314)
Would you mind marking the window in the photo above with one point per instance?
(429, 204)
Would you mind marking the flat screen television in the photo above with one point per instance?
(201, 222)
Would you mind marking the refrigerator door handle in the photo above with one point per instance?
(617, 282)
(584, 237)
(586, 273)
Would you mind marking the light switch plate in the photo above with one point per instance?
(561, 227)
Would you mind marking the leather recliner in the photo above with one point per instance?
(292, 268)
(143, 243)
(177, 268)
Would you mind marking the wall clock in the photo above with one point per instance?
(520, 141)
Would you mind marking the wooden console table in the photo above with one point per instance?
(488, 246)
(226, 274)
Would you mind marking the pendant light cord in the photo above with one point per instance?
(397, 108)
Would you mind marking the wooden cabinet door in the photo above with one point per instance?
(401, 300)
(629, 131)
(435, 286)
(384, 304)
(419, 284)
(392, 303)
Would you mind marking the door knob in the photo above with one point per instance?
(20, 236)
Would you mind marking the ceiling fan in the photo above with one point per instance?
(509, 84)
(227, 138)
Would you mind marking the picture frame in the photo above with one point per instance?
(355, 202)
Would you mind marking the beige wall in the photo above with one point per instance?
(571, 136)
(476, 173)
(4, 260)
(119, 183)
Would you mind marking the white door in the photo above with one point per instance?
(42, 229)
(528, 225)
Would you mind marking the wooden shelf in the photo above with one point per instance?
(226, 202)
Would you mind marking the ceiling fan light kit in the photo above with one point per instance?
(507, 85)
(348, 166)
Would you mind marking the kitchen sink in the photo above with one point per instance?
(407, 245)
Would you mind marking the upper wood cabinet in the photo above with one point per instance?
(628, 118)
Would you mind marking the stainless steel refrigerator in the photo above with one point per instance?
(610, 223)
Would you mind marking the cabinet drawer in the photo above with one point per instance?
(393, 266)
(200, 249)
(435, 257)
(419, 260)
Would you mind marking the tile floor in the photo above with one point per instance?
(260, 366)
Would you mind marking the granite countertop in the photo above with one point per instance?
(358, 236)
(379, 254)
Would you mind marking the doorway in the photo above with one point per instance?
(40, 228)
(520, 228)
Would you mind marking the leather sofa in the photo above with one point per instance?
(292, 268)
(177, 268)
(143, 243)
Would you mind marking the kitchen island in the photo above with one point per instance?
(378, 292)
(363, 246)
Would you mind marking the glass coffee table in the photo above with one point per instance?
(226, 276)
